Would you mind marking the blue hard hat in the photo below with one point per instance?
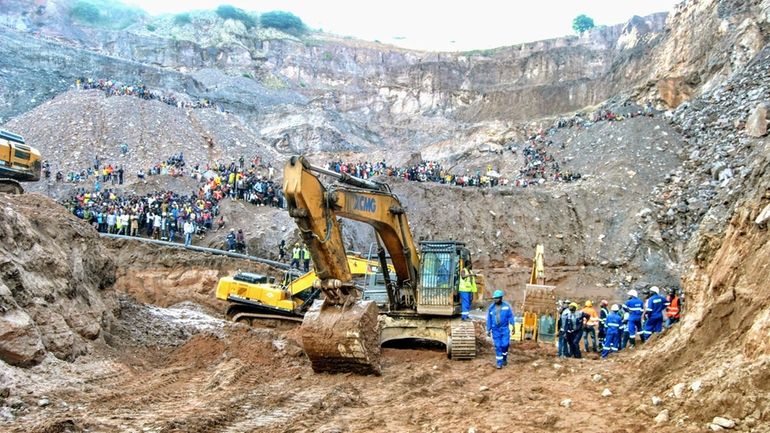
(498, 294)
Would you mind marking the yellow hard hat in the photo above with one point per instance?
(573, 305)
(589, 303)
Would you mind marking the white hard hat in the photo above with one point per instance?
(615, 307)
(632, 293)
(655, 289)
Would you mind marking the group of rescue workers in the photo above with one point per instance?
(614, 327)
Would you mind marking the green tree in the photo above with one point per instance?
(233, 13)
(86, 12)
(581, 23)
(284, 21)
(182, 19)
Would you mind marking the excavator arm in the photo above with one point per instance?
(315, 208)
(341, 332)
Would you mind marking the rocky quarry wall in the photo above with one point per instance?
(330, 93)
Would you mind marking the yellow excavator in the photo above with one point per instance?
(257, 297)
(539, 304)
(342, 332)
(18, 163)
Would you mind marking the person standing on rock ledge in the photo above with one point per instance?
(499, 316)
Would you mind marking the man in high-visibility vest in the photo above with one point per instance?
(673, 310)
(467, 289)
(305, 258)
(295, 256)
(603, 313)
(589, 330)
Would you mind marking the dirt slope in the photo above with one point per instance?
(55, 282)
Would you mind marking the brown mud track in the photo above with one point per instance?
(257, 380)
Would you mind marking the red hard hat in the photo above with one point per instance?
(604, 302)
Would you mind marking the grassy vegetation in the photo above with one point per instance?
(229, 12)
(151, 27)
(182, 19)
(272, 82)
(489, 52)
(108, 14)
(286, 22)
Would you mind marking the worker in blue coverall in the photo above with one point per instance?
(612, 331)
(656, 304)
(635, 308)
(499, 316)
(467, 289)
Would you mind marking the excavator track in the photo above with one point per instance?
(342, 339)
(461, 342)
(253, 312)
(10, 186)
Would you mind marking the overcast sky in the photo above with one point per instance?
(437, 25)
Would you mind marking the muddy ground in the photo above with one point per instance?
(180, 370)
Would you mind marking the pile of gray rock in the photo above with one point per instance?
(721, 130)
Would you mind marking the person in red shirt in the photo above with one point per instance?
(673, 307)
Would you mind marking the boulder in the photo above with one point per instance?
(756, 124)
(678, 389)
(723, 422)
(20, 342)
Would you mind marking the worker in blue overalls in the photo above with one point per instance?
(612, 331)
(656, 304)
(499, 316)
(635, 308)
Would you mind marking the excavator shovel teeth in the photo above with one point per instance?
(340, 339)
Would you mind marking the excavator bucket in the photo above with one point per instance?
(342, 338)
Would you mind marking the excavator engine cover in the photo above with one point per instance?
(341, 339)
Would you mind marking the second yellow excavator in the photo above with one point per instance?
(252, 297)
(343, 333)
(18, 163)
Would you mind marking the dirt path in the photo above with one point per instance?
(257, 380)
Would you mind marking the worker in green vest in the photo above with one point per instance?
(305, 258)
(467, 289)
(295, 255)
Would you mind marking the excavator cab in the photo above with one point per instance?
(440, 265)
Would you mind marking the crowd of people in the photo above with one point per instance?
(539, 166)
(233, 180)
(613, 328)
(581, 120)
(110, 173)
(425, 171)
(163, 215)
(140, 90)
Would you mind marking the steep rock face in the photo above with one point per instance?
(53, 280)
(723, 340)
(706, 43)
